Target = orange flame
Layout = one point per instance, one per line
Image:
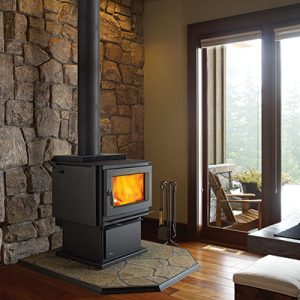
(128, 189)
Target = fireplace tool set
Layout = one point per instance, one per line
(167, 212)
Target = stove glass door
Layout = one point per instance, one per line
(128, 189)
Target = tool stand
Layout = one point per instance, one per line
(167, 214)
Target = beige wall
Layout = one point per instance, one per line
(166, 82)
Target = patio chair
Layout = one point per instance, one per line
(248, 219)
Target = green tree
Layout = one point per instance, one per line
(243, 105)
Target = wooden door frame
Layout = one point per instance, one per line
(264, 21)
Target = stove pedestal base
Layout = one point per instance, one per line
(102, 247)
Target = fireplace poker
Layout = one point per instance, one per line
(162, 228)
(172, 187)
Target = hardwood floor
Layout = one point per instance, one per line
(212, 281)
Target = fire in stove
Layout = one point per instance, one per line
(128, 189)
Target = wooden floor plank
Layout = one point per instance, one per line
(220, 259)
(245, 254)
(203, 295)
(228, 255)
(198, 283)
(219, 272)
(19, 283)
(213, 280)
(204, 289)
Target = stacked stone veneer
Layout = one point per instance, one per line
(38, 106)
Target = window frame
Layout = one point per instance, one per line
(266, 22)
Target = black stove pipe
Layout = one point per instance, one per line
(88, 78)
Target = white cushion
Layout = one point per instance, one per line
(272, 273)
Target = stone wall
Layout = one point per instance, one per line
(38, 106)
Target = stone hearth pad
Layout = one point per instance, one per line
(155, 270)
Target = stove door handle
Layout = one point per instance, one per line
(111, 196)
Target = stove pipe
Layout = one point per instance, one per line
(88, 78)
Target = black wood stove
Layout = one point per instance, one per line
(98, 199)
(100, 204)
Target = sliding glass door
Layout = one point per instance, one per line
(233, 96)
(235, 144)
(290, 125)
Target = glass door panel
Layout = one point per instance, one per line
(234, 134)
(290, 127)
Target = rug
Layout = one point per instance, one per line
(154, 270)
(291, 233)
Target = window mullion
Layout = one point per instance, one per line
(269, 128)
